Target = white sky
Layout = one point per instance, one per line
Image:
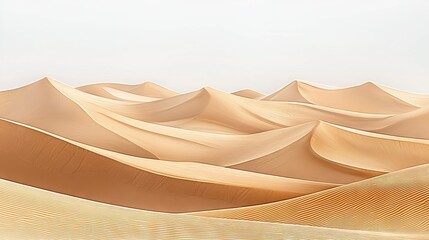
(231, 44)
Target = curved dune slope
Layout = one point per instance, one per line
(300, 160)
(367, 98)
(211, 110)
(222, 150)
(30, 213)
(207, 110)
(248, 93)
(342, 154)
(147, 89)
(303, 163)
(412, 124)
(45, 161)
(122, 95)
(290, 151)
(415, 99)
(366, 150)
(395, 202)
(44, 105)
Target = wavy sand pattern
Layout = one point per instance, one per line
(116, 161)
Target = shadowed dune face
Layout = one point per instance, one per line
(339, 163)
(50, 163)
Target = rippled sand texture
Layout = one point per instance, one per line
(115, 161)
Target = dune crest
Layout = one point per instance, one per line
(146, 89)
(305, 162)
(368, 97)
(248, 93)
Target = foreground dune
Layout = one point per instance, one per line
(29, 213)
(395, 202)
(302, 163)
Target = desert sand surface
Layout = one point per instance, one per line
(110, 160)
(249, 93)
(395, 202)
(31, 213)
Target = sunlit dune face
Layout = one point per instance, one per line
(142, 161)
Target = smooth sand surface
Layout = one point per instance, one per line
(249, 93)
(367, 97)
(111, 160)
(30, 213)
(147, 89)
(395, 202)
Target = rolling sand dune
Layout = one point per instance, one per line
(29, 213)
(368, 98)
(248, 93)
(395, 202)
(147, 89)
(344, 155)
(211, 110)
(412, 98)
(43, 105)
(122, 95)
(302, 163)
(399, 125)
(51, 163)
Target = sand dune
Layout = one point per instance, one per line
(399, 125)
(206, 109)
(343, 154)
(248, 93)
(419, 100)
(395, 202)
(302, 163)
(43, 105)
(211, 110)
(29, 213)
(60, 165)
(122, 95)
(367, 97)
(147, 89)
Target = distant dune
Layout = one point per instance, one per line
(248, 93)
(116, 161)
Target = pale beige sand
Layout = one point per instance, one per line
(43, 105)
(395, 202)
(60, 165)
(351, 160)
(249, 93)
(147, 89)
(201, 111)
(122, 95)
(29, 213)
(367, 97)
(411, 124)
(419, 100)
(206, 110)
(342, 154)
